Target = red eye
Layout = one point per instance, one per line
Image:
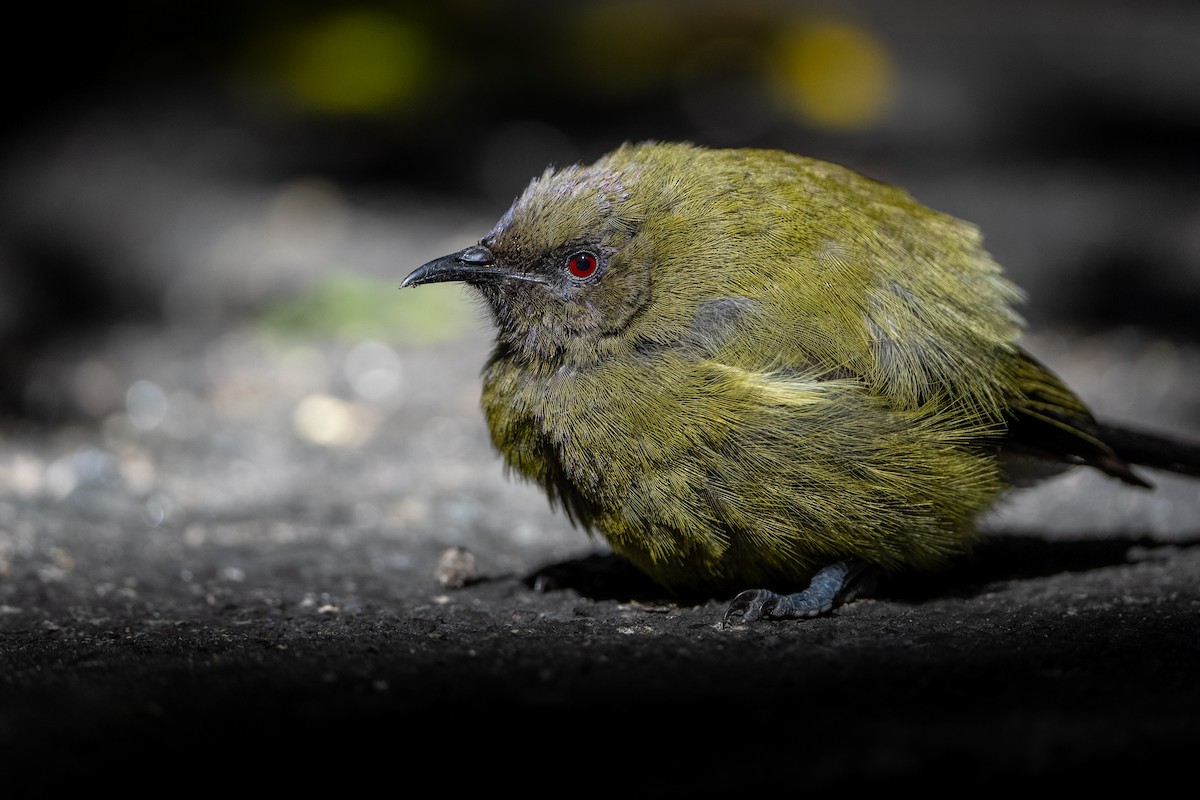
(582, 264)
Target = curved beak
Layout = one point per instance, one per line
(476, 264)
(470, 265)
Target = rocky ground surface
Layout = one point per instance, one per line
(280, 559)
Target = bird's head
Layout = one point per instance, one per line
(575, 270)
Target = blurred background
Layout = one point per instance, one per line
(207, 205)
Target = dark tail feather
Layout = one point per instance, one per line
(1151, 449)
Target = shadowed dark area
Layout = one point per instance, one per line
(396, 690)
(1135, 283)
(993, 561)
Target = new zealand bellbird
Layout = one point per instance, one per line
(754, 371)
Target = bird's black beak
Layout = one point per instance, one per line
(475, 265)
(472, 265)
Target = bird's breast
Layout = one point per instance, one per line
(603, 428)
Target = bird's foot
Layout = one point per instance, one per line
(828, 586)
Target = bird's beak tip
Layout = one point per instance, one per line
(464, 265)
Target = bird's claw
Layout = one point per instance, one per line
(756, 604)
(752, 605)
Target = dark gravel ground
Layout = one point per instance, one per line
(219, 601)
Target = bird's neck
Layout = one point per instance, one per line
(539, 353)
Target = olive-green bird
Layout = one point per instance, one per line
(752, 371)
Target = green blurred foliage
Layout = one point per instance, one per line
(350, 307)
(356, 61)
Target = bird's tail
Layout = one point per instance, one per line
(1151, 449)
(1049, 422)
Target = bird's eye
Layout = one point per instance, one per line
(582, 264)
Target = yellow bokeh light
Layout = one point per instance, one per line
(833, 74)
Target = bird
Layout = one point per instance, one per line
(764, 376)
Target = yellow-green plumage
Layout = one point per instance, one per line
(778, 364)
